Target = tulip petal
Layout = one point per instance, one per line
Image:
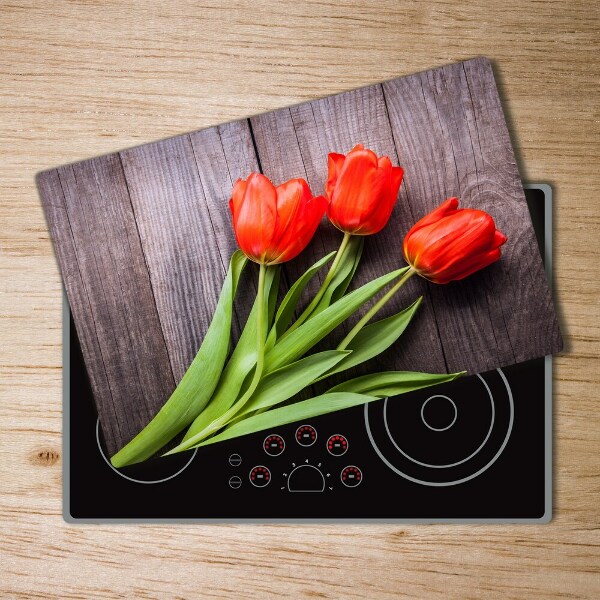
(452, 243)
(386, 185)
(237, 196)
(467, 232)
(362, 190)
(384, 162)
(499, 239)
(358, 182)
(335, 162)
(445, 209)
(254, 223)
(298, 235)
(480, 262)
(397, 175)
(290, 198)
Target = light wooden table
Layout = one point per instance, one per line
(83, 78)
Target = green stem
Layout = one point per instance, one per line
(261, 335)
(261, 329)
(375, 309)
(330, 275)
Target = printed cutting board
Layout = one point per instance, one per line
(143, 236)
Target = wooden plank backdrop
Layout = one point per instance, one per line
(89, 78)
(149, 232)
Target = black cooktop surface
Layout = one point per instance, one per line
(477, 449)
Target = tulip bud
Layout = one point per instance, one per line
(450, 243)
(362, 190)
(274, 224)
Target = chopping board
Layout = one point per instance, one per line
(143, 236)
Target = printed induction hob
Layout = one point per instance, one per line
(477, 449)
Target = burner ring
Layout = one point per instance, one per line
(456, 481)
(107, 461)
(448, 465)
(439, 428)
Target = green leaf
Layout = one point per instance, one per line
(240, 365)
(392, 383)
(296, 343)
(344, 274)
(289, 303)
(292, 379)
(273, 389)
(356, 245)
(300, 411)
(375, 338)
(198, 383)
(351, 393)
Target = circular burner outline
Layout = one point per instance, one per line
(189, 462)
(439, 428)
(449, 465)
(457, 481)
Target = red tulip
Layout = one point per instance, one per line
(451, 243)
(274, 224)
(362, 190)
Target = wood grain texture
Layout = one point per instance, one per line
(167, 196)
(176, 192)
(469, 155)
(224, 154)
(78, 80)
(115, 303)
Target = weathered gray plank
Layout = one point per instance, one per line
(533, 328)
(467, 153)
(110, 295)
(223, 155)
(183, 255)
(425, 102)
(56, 215)
(281, 158)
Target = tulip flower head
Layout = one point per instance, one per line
(362, 190)
(274, 224)
(451, 243)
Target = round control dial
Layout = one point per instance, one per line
(306, 435)
(235, 460)
(274, 445)
(337, 445)
(235, 482)
(260, 476)
(351, 476)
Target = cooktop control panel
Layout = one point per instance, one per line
(308, 462)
